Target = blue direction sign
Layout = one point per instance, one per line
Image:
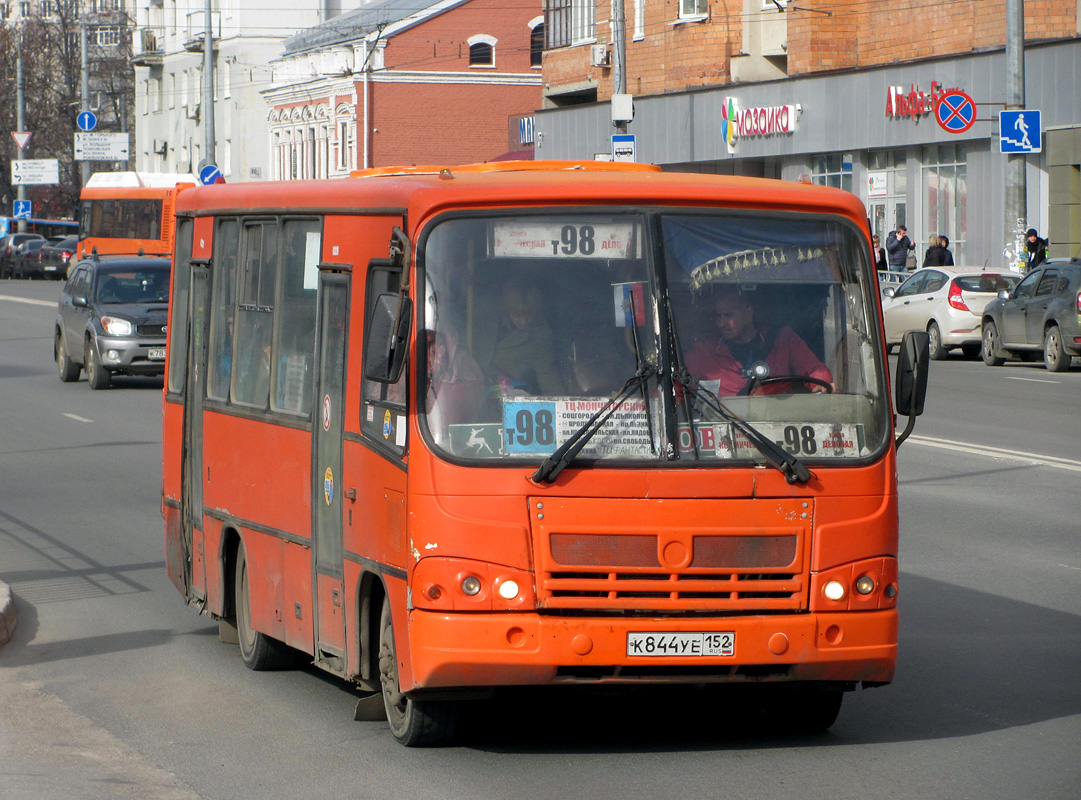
(955, 112)
(1020, 131)
(23, 209)
(87, 121)
(209, 174)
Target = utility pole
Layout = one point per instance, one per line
(622, 104)
(84, 86)
(208, 85)
(20, 112)
(1016, 185)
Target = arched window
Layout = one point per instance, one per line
(482, 50)
(536, 45)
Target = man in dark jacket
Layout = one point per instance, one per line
(1036, 250)
(898, 246)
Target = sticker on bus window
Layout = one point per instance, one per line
(804, 440)
(630, 304)
(562, 239)
(328, 485)
(539, 426)
(483, 439)
(388, 426)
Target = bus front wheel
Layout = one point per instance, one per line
(259, 651)
(414, 723)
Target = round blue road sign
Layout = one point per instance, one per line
(209, 174)
(87, 121)
(955, 112)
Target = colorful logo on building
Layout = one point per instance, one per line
(757, 121)
(728, 123)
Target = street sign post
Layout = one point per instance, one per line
(955, 112)
(35, 172)
(102, 146)
(87, 121)
(1020, 131)
(23, 209)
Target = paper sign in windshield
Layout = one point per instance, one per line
(541, 425)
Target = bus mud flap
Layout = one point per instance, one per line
(370, 708)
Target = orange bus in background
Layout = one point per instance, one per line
(128, 212)
(445, 430)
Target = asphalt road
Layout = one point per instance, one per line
(112, 688)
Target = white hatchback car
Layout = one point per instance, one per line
(947, 303)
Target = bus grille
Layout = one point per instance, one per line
(681, 556)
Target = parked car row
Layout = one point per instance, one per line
(30, 255)
(990, 314)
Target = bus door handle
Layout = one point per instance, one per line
(351, 495)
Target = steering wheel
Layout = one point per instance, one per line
(801, 379)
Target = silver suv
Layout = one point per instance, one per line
(112, 319)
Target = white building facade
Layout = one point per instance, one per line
(168, 46)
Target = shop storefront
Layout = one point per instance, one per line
(874, 133)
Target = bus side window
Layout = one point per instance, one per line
(383, 404)
(226, 242)
(255, 315)
(297, 309)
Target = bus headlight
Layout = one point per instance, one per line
(459, 584)
(471, 586)
(834, 590)
(865, 585)
(508, 589)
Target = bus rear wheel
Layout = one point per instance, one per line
(414, 723)
(259, 651)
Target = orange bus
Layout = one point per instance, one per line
(446, 430)
(128, 212)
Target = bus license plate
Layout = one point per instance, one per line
(156, 354)
(681, 644)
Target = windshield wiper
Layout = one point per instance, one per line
(566, 453)
(777, 457)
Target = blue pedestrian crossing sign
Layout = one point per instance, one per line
(1020, 131)
(87, 121)
(23, 209)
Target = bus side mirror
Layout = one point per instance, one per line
(911, 381)
(388, 338)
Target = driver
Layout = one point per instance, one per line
(730, 359)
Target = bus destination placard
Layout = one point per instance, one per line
(562, 239)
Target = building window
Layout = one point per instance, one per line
(481, 50)
(107, 35)
(833, 169)
(639, 20)
(693, 9)
(945, 192)
(570, 22)
(536, 45)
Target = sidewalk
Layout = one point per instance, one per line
(7, 614)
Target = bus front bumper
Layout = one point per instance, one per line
(468, 650)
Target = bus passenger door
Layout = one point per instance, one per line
(191, 476)
(327, 488)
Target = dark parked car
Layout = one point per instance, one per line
(1041, 313)
(26, 263)
(55, 258)
(7, 251)
(112, 319)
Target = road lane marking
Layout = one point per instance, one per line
(1030, 380)
(998, 452)
(77, 418)
(14, 299)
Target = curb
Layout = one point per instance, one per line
(7, 614)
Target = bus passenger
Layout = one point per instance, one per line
(455, 383)
(523, 360)
(742, 343)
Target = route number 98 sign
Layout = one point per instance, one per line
(562, 239)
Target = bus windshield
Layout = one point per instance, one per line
(684, 337)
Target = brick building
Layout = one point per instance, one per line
(400, 82)
(843, 92)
